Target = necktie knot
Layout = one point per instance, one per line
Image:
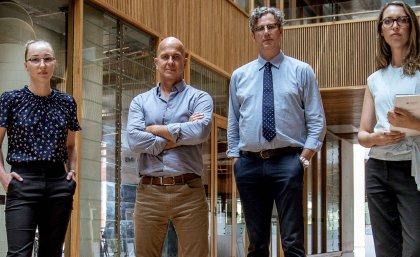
(268, 65)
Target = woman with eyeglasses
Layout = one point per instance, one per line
(40, 123)
(393, 169)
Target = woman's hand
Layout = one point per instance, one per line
(403, 119)
(385, 137)
(7, 177)
(71, 175)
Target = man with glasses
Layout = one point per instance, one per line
(276, 124)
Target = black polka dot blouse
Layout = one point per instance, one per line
(37, 126)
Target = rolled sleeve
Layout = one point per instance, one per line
(175, 131)
(194, 132)
(313, 144)
(314, 112)
(233, 121)
(138, 139)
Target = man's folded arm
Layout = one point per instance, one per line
(197, 131)
(139, 140)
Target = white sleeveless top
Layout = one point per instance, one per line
(384, 84)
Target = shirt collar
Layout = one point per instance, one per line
(276, 61)
(29, 92)
(179, 87)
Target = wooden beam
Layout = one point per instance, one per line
(76, 13)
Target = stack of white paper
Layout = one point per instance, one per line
(410, 103)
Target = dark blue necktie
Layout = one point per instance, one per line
(269, 123)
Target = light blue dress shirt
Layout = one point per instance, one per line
(299, 115)
(151, 108)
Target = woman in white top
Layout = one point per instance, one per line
(393, 169)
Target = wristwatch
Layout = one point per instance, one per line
(305, 162)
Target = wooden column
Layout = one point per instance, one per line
(75, 49)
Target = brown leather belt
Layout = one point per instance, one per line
(168, 181)
(266, 154)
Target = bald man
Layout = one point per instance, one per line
(166, 127)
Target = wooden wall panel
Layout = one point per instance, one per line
(341, 54)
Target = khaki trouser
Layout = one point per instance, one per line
(185, 205)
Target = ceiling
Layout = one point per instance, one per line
(41, 6)
(46, 13)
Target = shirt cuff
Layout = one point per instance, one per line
(233, 153)
(175, 130)
(313, 144)
(159, 145)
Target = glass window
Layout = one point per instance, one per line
(333, 197)
(21, 21)
(244, 4)
(300, 12)
(217, 86)
(259, 3)
(323, 187)
(117, 66)
(214, 84)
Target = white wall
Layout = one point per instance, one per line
(353, 199)
(13, 76)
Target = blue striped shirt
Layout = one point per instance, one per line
(299, 115)
(151, 108)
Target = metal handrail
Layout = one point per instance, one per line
(344, 14)
(332, 16)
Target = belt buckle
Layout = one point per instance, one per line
(264, 154)
(167, 184)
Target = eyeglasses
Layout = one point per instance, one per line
(402, 21)
(269, 27)
(37, 60)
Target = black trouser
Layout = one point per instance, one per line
(260, 183)
(43, 199)
(394, 207)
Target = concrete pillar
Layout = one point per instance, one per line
(353, 200)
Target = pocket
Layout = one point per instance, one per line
(236, 166)
(71, 186)
(195, 183)
(237, 162)
(140, 186)
(299, 161)
(61, 187)
(11, 188)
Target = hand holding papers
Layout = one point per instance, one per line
(410, 103)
